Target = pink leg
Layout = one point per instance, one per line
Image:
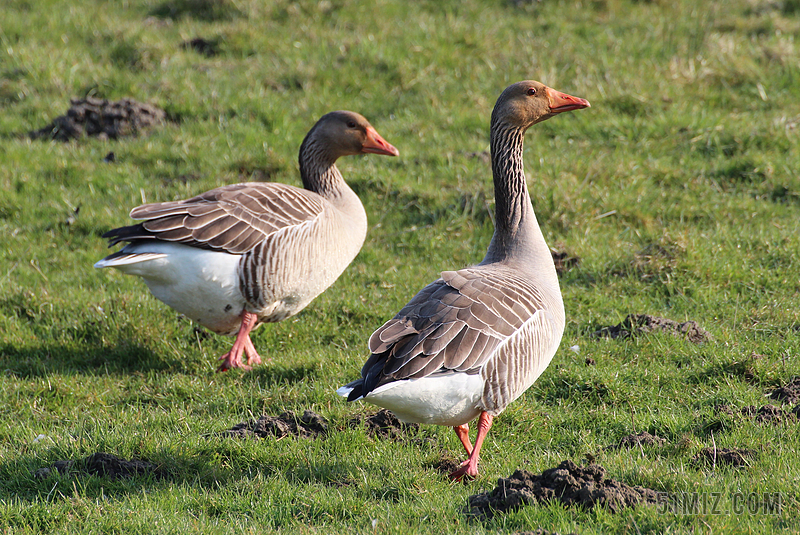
(242, 344)
(462, 432)
(469, 467)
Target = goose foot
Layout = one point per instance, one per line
(469, 468)
(242, 345)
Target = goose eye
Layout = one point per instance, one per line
(351, 124)
(531, 91)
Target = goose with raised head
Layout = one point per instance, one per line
(245, 254)
(471, 342)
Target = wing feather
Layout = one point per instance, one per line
(440, 338)
(463, 350)
(202, 221)
(163, 224)
(468, 321)
(483, 344)
(232, 218)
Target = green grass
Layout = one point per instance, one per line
(678, 189)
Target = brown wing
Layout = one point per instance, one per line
(232, 218)
(454, 324)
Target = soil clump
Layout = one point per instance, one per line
(206, 47)
(309, 425)
(101, 118)
(735, 457)
(384, 424)
(99, 464)
(636, 324)
(788, 393)
(764, 414)
(564, 261)
(568, 483)
(631, 441)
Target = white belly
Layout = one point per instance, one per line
(201, 284)
(450, 399)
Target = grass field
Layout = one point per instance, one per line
(678, 190)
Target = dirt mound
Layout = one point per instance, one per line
(724, 408)
(99, 464)
(731, 456)
(568, 483)
(764, 414)
(769, 414)
(446, 465)
(564, 261)
(309, 425)
(788, 393)
(644, 439)
(101, 118)
(636, 324)
(384, 424)
(206, 47)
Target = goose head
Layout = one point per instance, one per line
(529, 102)
(346, 133)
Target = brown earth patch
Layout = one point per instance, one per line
(309, 425)
(564, 261)
(568, 483)
(384, 424)
(642, 439)
(764, 414)
(724, 408)
(446, 465)
(788, 393)
(729, 456)
(636, 324)
(99, 464)
(206, 47)
(768, 414)
(101, 118)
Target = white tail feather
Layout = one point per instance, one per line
(118, 259)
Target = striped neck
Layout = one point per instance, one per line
(318, 168)
(517, 234)
(510, 190)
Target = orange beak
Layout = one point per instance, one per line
(375, 144)
(560, 102)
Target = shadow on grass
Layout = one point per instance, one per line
(23, 478)
(37, 478)
(129, 357)
(54, 358)
(744, 369)
(204, 10)
(276, 373)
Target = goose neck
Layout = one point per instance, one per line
(318, 169)
(510, 189)
(517, 235)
